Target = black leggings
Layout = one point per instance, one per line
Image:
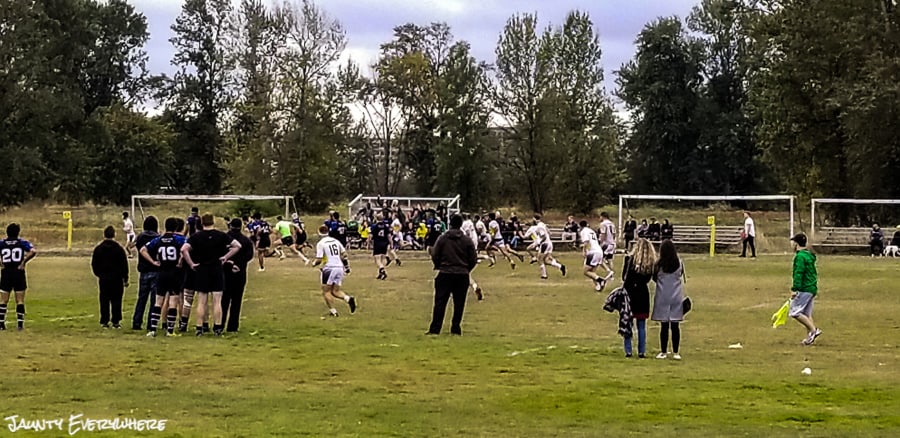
(664, 336)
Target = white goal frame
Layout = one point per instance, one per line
(789, 198)
(288, 200)
(814, 201)
(452, 204)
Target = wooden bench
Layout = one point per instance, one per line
(843, 237)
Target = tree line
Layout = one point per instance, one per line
(739, 97)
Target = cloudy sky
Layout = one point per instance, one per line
(369, 23)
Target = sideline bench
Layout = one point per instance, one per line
(844, 237)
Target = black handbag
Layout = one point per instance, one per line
(686, 305)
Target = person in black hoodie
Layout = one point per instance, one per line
(147, 271)
(235, 277)
(110, 265)
(454, 258)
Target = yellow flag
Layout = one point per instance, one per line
(780, 317)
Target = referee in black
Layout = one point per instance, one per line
(236, 277)
(453, 257)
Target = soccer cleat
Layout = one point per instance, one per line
(20, 328)
(513, 266)
(352, 304)
(662, 356)
(172, 335)
(262, 269)
(182, 327)
(151, 334)
(543, 277)
(398, 262)
(562, 268)
(521, 257)
(199, 333)
(479, 293)
(533, 261)
(389, 260)
(2, 326)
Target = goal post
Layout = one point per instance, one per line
(788, 198)
(406, 202)
(818, 201)
(288, 200)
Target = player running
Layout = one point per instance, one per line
(607, 238)
(544, 246)
(468, 228)
(336, 266)
(498, 243)
(593, 255)
(381, 241)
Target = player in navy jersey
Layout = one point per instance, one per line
(263, 232)
(381, 241)
(337, 228)
(300, 237)
(192, 221)
(14, 254)
(164, 252)
(435, 229)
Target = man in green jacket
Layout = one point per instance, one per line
(804, 289)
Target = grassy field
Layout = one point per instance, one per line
(537, 358)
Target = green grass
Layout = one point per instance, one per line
(536, 359)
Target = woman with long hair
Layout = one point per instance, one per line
(667, 302)
(640, 264)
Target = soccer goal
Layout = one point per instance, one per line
(847, 221)
(698, 229)
(407, 203)
(137, 205)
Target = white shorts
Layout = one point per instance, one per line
(609, 249)
(498, 243)
(593, 259)
(545, 248)
(130, 237)
(332, 276)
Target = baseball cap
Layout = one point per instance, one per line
(800, 238)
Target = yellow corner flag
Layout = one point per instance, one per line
(780, 317)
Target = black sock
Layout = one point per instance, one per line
(205, 327)
(2, 313)
(676, 337)
(171, 317)
(184, 321)
(217, 329)
(664, 337)
(20, 314)
(154, 317)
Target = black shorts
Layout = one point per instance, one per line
(12, 280)
(287, 240)
(189, 281)
(301, 238)
(380, 248)
(169, 282)
(209, 278)
(264, 242)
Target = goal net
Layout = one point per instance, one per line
(845, 215)
(773, 215)
(221, 205)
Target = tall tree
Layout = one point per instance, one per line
(200, 97)
(523, 76)
(661, 89)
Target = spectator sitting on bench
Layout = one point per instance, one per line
(654, 231)
(643, 229)
(876, 240)
(667, 231)
(570, 231)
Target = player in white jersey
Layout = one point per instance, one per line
(541, 236)
(483, 241)
(593, 255)
(396, 240)
(607, 238)
(499, 243)
(468, 228)
(335, 256)
(130, 237)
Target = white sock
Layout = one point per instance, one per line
(347, 298)
(474, 285)
(333, 311)
(555, 264)
(543, 270)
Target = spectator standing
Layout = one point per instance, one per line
(454, 258)
(147, 273)
(668, 301)
(749, 235)
(110, 265)
(629, 230)
(640, 264)
(235, 277)
(876, 240)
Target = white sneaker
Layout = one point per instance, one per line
(676, 356)
(262, 269)
(662, 356)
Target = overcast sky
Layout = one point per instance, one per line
(370, 22)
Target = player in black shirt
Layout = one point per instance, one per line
(205, 252)
(263, 234)
(164, 252)
(337, 228)
(381, 241)
(14, 254)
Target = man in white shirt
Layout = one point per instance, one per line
(593, 255)
(544, 246)
(130, 237)
(607, 239)
(335, 256)
(749, 235)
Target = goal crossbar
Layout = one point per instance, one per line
(814, 201)
(452, 204)
(288, 200)
(789, 198)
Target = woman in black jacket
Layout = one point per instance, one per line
(638, 271)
